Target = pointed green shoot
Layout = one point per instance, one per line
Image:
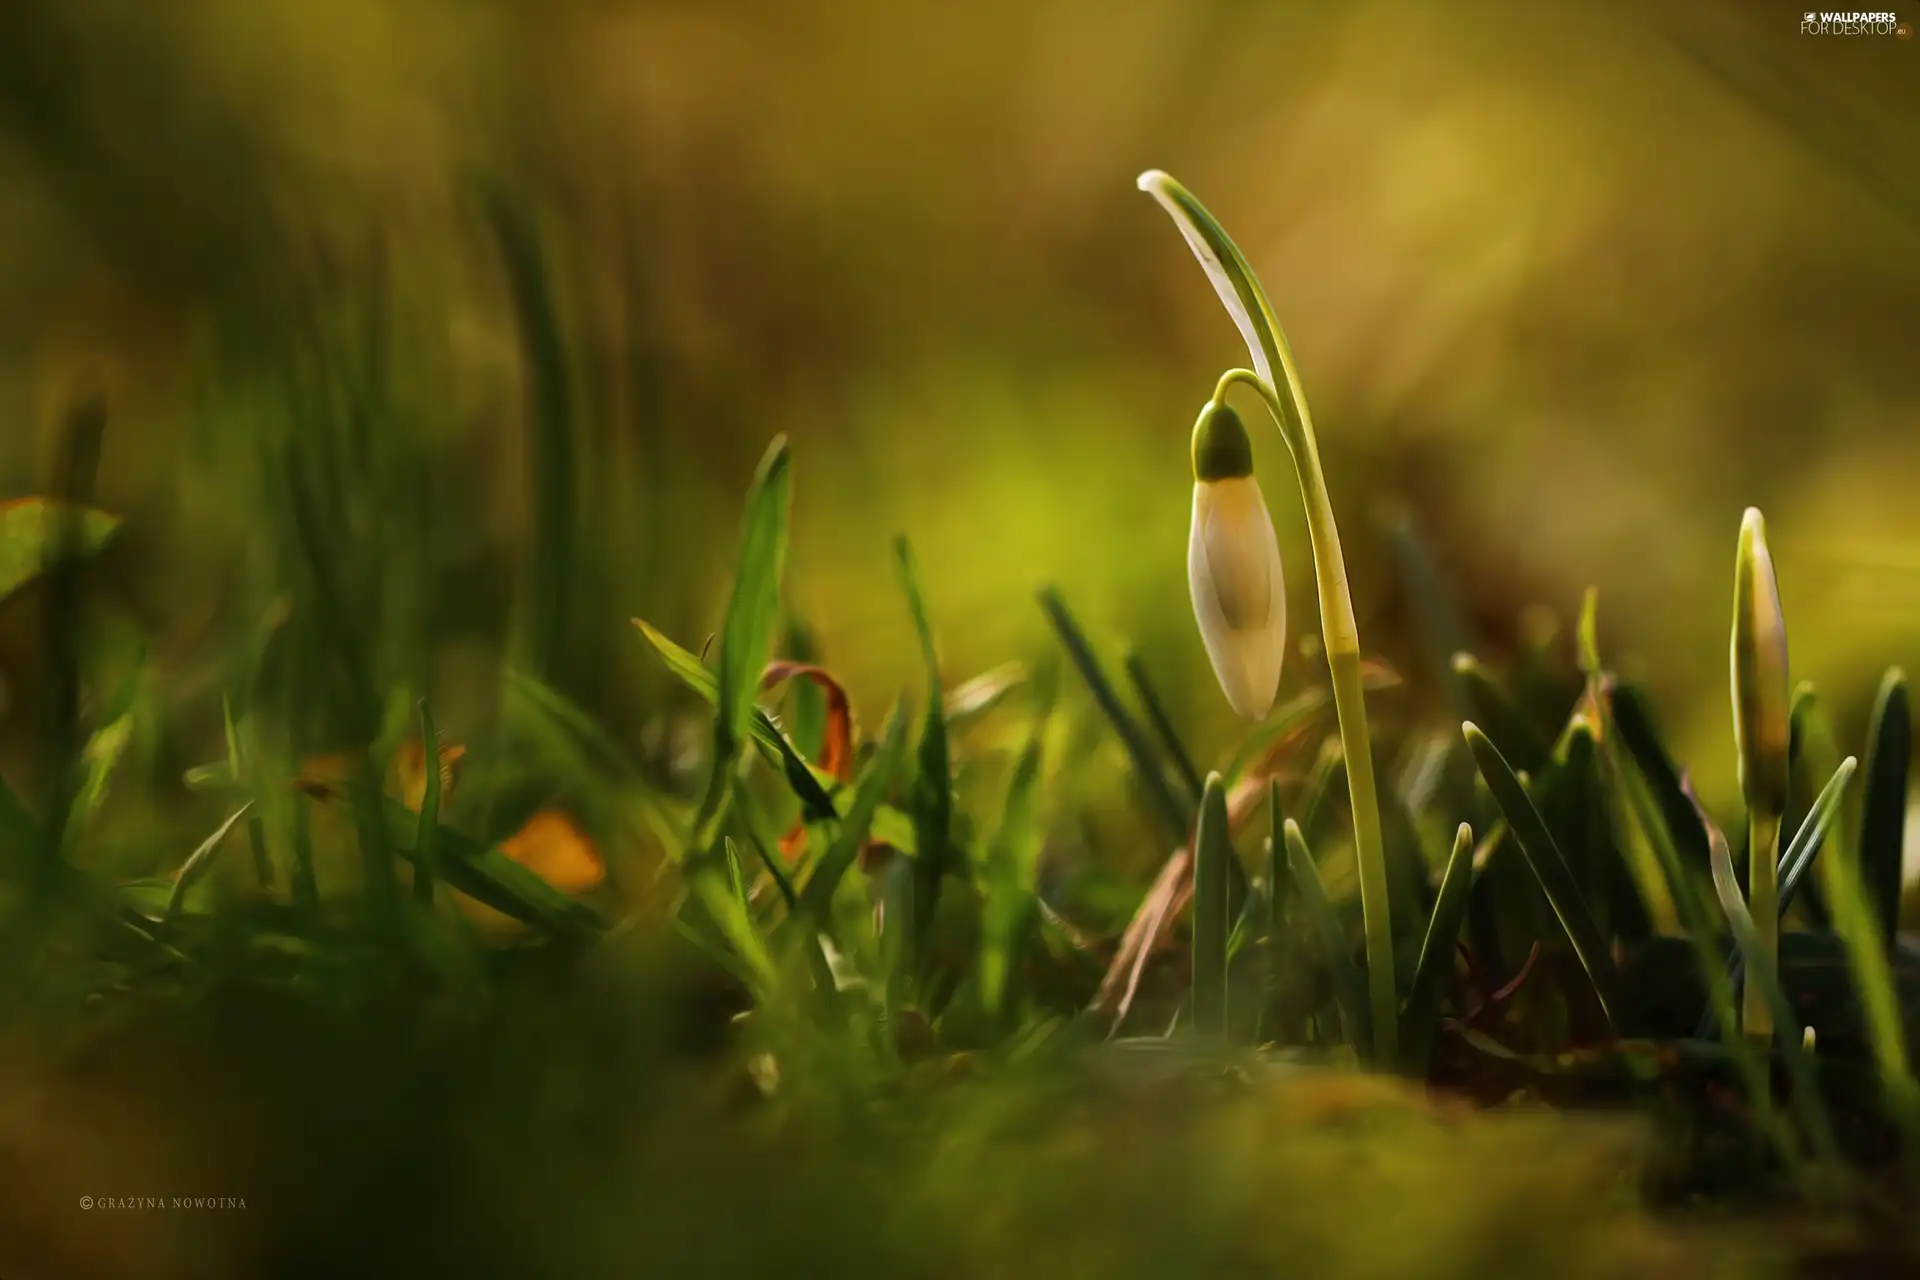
(1883, 816)
(1764, 976)
(1012, 872)
(1162, 721)
(1349, 988)
(1549, 866)
(201, 860)
(754, 608)
(1794, 864)
(816, 897)
(1421, 1018)
(932, 802)
(1763, 732)
(1175, 817)
(426, 845)
(1212, 851)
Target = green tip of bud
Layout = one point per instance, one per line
(1221, 449)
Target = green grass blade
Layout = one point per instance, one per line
(1883, 815)
(1442, 624)
(484, 873)
(426, 844)
(932, 794)
(774, 745)
(1765, 977)
(1176, 818)
(1421, 1018)
(816, 897)
(1814, 758)
(764, 849)
(1633, 717)
(201, 860)
(1162, 722)
(1529, 830)
(716, 882)
(1794, 864)
(753, 610)
(554, 553)
(1012, 873)
(1212, 851)
(1812, 834)
(1505, 724)
(1349, 986)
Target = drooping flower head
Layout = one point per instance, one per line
(1233, 565)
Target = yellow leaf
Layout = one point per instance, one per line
(553, 847)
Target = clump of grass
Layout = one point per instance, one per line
(856, 1007)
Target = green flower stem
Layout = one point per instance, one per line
(1763, 900)
(1342, 637)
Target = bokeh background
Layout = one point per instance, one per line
(1576, 282)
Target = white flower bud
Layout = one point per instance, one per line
(1233, 566)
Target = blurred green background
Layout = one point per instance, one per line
(1572, 282)
(1575, 281)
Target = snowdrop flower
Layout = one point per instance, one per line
(1233, 565)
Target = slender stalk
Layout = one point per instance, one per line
(1763, 900)
(1341, 633)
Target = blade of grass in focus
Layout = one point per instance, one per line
(1349, 986)
(1212, 851)
(1420, 1019)
(1549, 867)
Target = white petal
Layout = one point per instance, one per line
(1239, 596)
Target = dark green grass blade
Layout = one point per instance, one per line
(1442, 624)
(773, 744)
(1811, 836)
(1633, 717)
(754, 607)
(1420, 1020)
(426, 844)
(551, 431)
(1212, 851)
(1505, 724)
(483, 872)
(256, 829)
(1323, 785)
(1175, 817)
(1349, 986)
(1012, 873)
(574, 719)
(1813, 758)
(64, 615)
(932, 794)
(1162, 722)
(752, 830)
(1549, 866)
(1795, 861)
(816, 896)
(1277, 899)
(1883, 815)
(1807, 1106)
(201, 860)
